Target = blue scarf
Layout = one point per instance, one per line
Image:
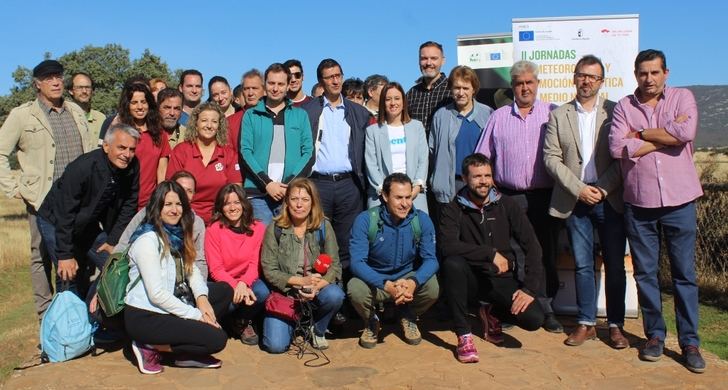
(174, 234)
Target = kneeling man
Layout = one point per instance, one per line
(393, 259)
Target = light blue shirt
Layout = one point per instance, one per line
(332, 142)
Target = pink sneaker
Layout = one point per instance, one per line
(197, 361)
(491, 325)
(147, 358)
(466, 349)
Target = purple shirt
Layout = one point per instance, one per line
(665, 177)
(515, 145)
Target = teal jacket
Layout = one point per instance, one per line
(256, 140)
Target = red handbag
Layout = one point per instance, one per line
(282, 306)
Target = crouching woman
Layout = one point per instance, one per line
(171, 308)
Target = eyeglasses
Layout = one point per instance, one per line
(82, 88)
(337, 76)
(296, 75)
(589, 77)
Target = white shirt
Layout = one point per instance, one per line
(587, 131)
(398, 148)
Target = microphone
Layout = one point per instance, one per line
(322, 263)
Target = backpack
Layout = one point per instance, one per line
(375, 224)
(65, 331)
(112, 283)
(277, 230)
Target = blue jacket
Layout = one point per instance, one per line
(393, 253)
(256, 140)
(358, 119)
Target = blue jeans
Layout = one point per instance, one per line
(265, 208)
(277, 334)
(241, 310)
(84, 253)
(610, 227)
(679, 225)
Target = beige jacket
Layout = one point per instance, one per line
(28, 130)
(563, 159)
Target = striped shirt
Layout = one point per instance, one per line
(66, 136)
(422, 102)
(515, 145)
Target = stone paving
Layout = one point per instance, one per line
(536, 360)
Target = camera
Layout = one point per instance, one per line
(306, 290)
(184, 293)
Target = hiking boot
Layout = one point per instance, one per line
(184, 360)
(370, 335)
(248, 335)
(693, 360)
(551, 324)
(318, 342)
(580, 334)
(466, 349)
(147, 358)
(652, 350)
(492, 331)
(412, 334)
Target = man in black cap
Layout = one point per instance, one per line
(48, 133)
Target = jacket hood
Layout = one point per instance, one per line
(463, 199)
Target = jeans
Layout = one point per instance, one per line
(277, 333)
(679, 225)
(610, 227)
(265, 208)
(241, 310)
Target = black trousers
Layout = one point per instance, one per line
(184, 336)
(465, 284)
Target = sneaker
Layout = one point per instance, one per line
(466, 349)
(147, 358)
(412, 334)
(197, 361)
(318, 342)
(492, 331)
(652, 350)
(693, 360)
(370, 336)
(551, 324)
(248, 335)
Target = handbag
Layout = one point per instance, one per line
(182, 289)
(112, 283)
(282, 306)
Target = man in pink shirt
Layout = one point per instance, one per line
(652, 135)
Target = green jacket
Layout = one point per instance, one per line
(279, 260)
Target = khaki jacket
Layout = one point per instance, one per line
(563, 159)
(27, 129)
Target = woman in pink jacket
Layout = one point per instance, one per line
(232, 248)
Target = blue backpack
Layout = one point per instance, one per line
(66, 331)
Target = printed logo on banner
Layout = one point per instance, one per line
(526, 35)
(474, 58)
(495, 56)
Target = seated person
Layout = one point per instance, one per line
(290, 248)
(393, 261)
(232, 248)
(172, 309)
(478, 262)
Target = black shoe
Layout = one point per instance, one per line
(693, 361)
(652, 350)
(551, 324)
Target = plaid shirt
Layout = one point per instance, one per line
(65, 133)
(422, 102)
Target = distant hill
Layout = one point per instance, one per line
(713, 113)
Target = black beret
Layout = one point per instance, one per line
(47, 67)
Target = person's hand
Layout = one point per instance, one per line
(307, 296)
(500, 262)
(682, 118)
(240, 292)
(18, 196)
(105, 247)
(320, 285)
(311, 280)
(67, 269)
(94, 304)
(416, 191)
(590, 195)
(393, 290)
(276, 190)
(208, 314)
(407, 288)
(250, 298)
(521, 300)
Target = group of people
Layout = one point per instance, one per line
(233, 208)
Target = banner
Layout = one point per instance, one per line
(556, 44)
(491, 56)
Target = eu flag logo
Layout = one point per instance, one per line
(525, 35)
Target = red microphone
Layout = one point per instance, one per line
(322, 263)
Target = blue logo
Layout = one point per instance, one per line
(495, 56)
(525, 35)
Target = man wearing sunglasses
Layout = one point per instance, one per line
(295, 86)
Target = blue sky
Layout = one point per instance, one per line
(228, 38)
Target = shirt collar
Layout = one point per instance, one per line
(580, 109)
(327, 103)
(47, 109)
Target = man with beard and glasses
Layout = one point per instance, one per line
(81, 89)
(170, 109)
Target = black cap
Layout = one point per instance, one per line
(47, 67)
